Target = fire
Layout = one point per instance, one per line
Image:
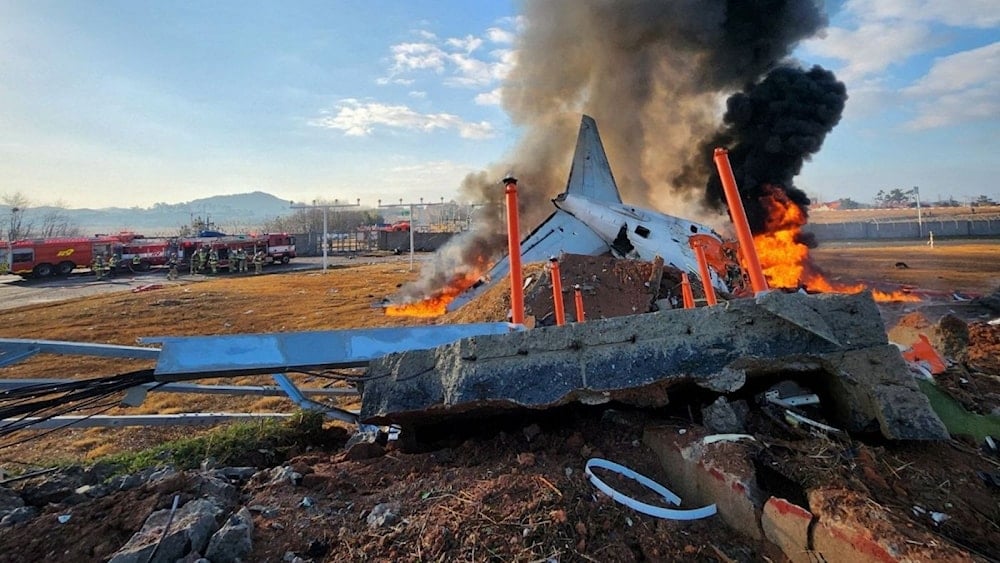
(785, 258)
(436, 304)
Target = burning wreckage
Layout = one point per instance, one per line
(814, 363)
(425, 377)
(834, 342)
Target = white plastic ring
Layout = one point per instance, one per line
(638, 506)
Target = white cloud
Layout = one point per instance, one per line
(359, 119)
(959, 13)
(958, 88)
(497, 35)
(872, 47)
(491, 98)
(417, 56)
(458, 58)
(420, 94)
(467, 43)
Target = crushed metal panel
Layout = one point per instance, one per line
(13, 350)
(283, 351)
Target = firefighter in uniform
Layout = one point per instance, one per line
(98, 266)
(172, 264)
(112, 264)
(258, 262)
(199, 260)
(136, 263)
(241, 260)
(213, 260)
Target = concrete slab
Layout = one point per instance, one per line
(637, 359)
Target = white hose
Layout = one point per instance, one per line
(651, 510)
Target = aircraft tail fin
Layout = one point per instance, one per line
(591, 175)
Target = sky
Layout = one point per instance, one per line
(130, 103)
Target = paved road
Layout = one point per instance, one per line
(18, 292)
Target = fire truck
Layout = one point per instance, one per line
(149, 251)
(277, 248)
(39, 258)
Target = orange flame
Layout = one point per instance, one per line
(785, 259)
(436, 304)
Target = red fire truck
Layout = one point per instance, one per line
(277, 247)
(149, 251)
(40, 258)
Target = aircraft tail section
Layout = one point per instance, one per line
(591, 175)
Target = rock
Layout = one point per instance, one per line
(991, 301)
(723, 417)
(367, 444)
(161, 474)
(240, 474)
(9, 500)
(385, 514)
(93, 491)
(221, 491)
(98, 473)
(54, 489)
(284, 474)
(190, 529)
(233, 542)
(951, 337)
(18, 515)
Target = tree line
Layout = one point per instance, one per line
(53, 223)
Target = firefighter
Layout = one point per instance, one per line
(241, 260)
(136, 263)
(199, 260)
(112, 264)
(213, 260)
(258, 262)
(98, 266)
(172, 264)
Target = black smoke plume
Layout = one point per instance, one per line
(771, 129)
(651, 72)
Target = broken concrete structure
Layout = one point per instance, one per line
(838, 342)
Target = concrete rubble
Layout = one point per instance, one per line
(836, 342)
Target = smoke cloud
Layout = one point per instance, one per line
(771, 129)
(653, 73)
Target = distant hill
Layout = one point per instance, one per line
(229, 213)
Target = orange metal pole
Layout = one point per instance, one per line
(578, 297)
(686, 291)
(514, 252)
(557, 297)
(706, 277)
(739, 215)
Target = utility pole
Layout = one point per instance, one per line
(326, 207)
(10, 239)
(410, 206)
(920, 219)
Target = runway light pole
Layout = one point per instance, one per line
(326, 207)
(411, 207)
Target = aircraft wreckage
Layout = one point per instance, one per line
(421, 377)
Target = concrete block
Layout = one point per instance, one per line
(717, 473)
(787, 526)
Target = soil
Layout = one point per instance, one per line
(504, 490)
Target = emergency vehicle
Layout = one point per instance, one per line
(277, 247)
(40, 258)
(59, 256)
